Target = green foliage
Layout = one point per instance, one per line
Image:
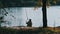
(19, 3)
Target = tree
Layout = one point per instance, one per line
(44, 13)
(4, 11)
(44, 10)
(2, 16)
(1, 20)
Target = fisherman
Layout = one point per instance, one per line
(29, 23)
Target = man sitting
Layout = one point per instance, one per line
(29, 23)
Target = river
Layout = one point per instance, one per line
(17, 16)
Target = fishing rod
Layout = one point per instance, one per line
(26, 13)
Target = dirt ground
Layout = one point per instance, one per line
(29, 30)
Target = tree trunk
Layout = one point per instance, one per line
(44, 14)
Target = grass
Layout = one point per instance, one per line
(28, 30)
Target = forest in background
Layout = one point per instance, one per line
(22, 3)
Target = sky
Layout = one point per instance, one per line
(20, 18)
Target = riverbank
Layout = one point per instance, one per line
(28, 30)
